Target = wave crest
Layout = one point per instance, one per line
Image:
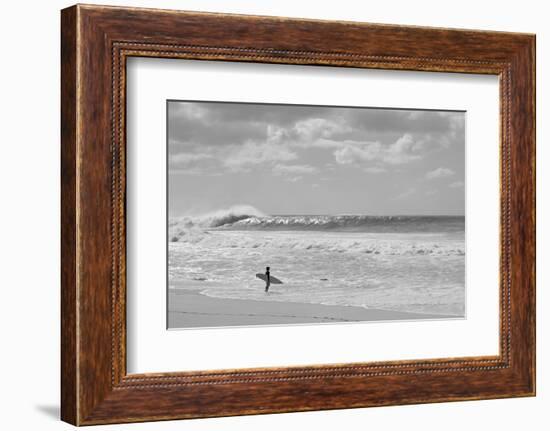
(192, 227)
(352, 223)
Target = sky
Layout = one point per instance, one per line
(298, 159)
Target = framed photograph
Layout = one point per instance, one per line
(264, 214)
(326, 197)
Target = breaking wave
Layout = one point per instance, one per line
(246, 217)
(191, 226)
(353, 223)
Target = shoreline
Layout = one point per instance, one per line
(192, 309)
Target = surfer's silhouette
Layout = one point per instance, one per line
(267, 279)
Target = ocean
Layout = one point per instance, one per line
(402, 263)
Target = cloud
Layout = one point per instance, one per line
(221, 124)
(439, 173)
(280, 169)
(315, 130)
(292, 139)
(198, 125)
(354, 152)
(237, 157)
(457, 184)
(403, 150)
(253, 153)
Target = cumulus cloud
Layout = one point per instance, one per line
(403, 150)
(354, 152)
(294, 142)
(221, 124)
(314, 130)
(439, 173)
(229, 145)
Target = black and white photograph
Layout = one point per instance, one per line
(294, 214)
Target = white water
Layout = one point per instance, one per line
(415, 272)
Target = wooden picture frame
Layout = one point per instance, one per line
(95, 43)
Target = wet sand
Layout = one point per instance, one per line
(194, 310)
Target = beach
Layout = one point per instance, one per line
(191, 309)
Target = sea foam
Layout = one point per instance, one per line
(192, 227)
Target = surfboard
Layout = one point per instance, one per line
(273, 280)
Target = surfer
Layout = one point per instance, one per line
(267, 279)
